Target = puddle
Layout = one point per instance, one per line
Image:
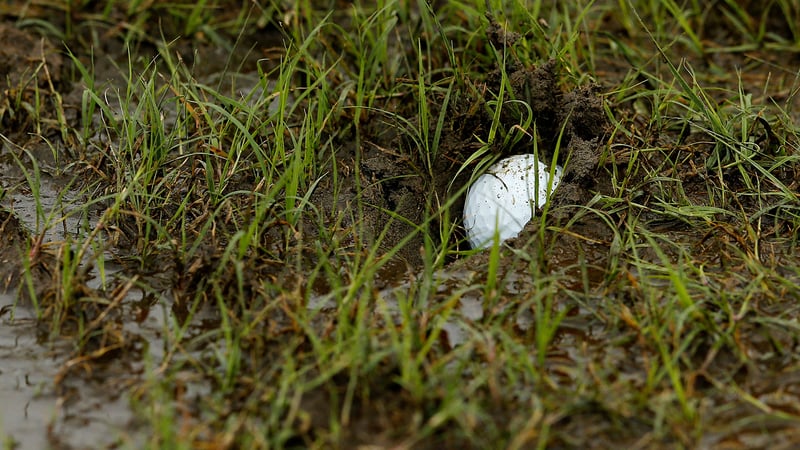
(26, 381)
(38, 413)
(90, 410)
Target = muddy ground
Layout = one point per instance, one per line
(379, 170)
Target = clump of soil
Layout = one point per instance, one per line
(569, 125)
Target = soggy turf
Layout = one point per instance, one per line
(238, 226)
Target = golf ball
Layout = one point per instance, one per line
(501, 201)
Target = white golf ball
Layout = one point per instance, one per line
(501, 201)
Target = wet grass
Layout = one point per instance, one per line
(657, 311)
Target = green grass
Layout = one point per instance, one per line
(260, 219)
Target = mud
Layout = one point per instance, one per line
(26, 379)
(386, 190)
(79, 394)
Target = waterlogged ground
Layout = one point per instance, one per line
(242, 230)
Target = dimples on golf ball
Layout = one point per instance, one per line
(502, 200)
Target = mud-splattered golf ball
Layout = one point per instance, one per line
(502, 200)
